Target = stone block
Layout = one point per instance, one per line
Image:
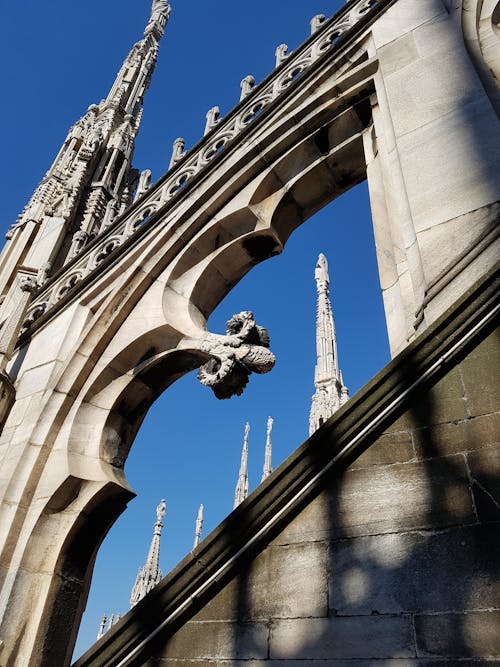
(484, 466)
(403, 17)
(282, 582)
(401, 497)
(464, 235)
(472, 635)
(35, 380)
(440, 404)
(454, 437)
(437, 190)
(480, 374)
(398, 662)
(342, 637)
(173, 662)
(394, 447)
(427, 89)
(209, 640)
(415, 572)
(314, 523)
(397, 55)
(385, 499)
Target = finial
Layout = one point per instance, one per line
(102, 626)
(316, 22)
(177, 151)
(281, 54)
(144, 183)
(212, 119)
(199, 527)
(111, 622)
(267, 469)
(246, 86)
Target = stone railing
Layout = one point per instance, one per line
(289, 68)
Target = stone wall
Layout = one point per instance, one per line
(395, 561)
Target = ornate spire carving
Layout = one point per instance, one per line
(241, 491)
(89, 180)
(330, 392)
(160, 12)
(268, 468)
(149, 575)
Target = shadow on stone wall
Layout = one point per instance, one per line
(403, 545)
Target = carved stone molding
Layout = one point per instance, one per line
(185, 165)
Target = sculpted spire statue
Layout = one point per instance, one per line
(268, 468)
(150, 574)
(199, 527)
(160, 12)
(241, 491)
(330, 392)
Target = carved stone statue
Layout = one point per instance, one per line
(242, 351)
(160, 12)
(160, 7)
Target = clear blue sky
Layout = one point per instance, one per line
(57, 58)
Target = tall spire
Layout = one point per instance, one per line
(330, 392)
(91, 180)
(241, 491)
(267, 469)
(199, 527)
(149, 575)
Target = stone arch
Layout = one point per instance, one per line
(481, 27)
(71, 557)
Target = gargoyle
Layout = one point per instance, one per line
(242, 351)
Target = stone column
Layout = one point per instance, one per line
(433, 162)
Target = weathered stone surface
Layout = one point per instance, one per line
(484, 466)
(209, 640)
(403, 17)
(474, 634)
(445, 402)
(401, 496)
(342, 637)
(393, 447)
(454, 437)
(385, 499)
(398, 662)
(397, 55)
(282, 582)
(480, 373)
(414, 572)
